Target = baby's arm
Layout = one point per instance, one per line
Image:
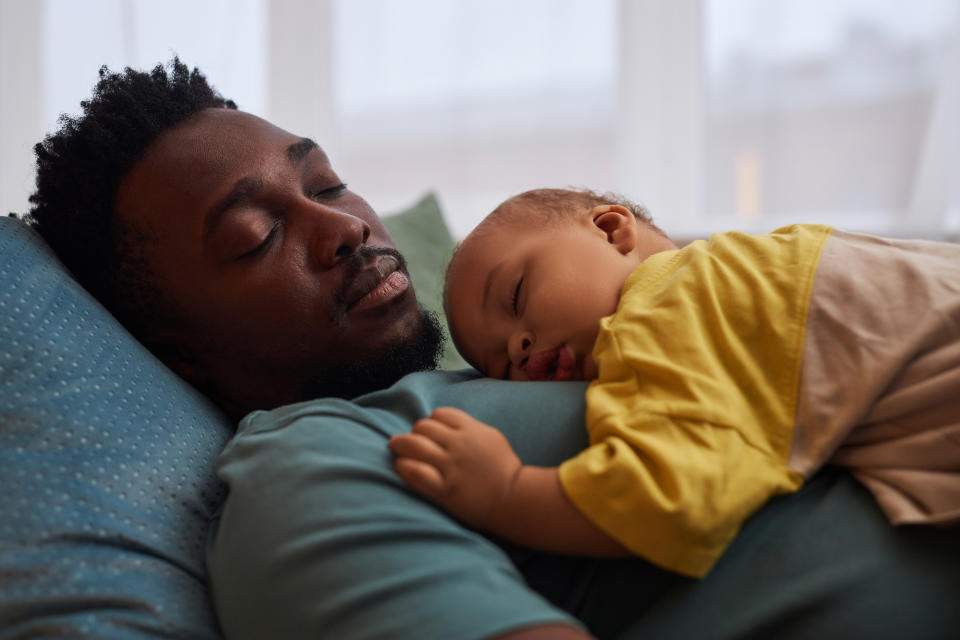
(469, 469)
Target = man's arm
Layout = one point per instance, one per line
(319, 534)
(470, 469)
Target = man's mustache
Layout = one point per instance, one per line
(365, 255)
(354, 265)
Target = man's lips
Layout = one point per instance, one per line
(553, 364)
(380, 282)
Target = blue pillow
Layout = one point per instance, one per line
(107, 457)
(106, 466)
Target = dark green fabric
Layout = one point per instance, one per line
(823, 563)
(423, 238)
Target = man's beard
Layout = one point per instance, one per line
(420, 353)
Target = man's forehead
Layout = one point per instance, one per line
(223, 133)
(216, 144)
(202, 157)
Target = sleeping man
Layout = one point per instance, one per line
(235, 252)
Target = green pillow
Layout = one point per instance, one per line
(423, 238)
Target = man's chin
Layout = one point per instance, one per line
(420, 351)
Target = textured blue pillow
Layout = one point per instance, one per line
(106, 466)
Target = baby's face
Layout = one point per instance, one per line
(525, 303)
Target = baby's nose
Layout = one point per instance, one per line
(519, 347)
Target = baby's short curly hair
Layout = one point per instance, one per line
(79, 170)
(539, 207)
(554, 204)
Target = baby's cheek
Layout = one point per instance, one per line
(516, 374)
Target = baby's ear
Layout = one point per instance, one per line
(619, 225)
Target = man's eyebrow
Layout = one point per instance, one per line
(299, 150)
(489, 283)
(245, 188)
(243, 191)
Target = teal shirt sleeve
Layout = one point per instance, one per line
(320, 538)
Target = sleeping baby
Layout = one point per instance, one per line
(722, 374)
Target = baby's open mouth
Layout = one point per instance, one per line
(552, 364)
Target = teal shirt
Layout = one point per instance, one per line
(319, 538)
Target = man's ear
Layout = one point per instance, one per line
(619, 225)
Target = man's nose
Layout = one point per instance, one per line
(519, 347)
(336, 235)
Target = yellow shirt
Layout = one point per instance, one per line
(691, 417)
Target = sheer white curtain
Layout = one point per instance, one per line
(51, 50)
(832, 110)
(481, 100)
(21, 99)
(715, 113)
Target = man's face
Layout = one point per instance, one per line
(282, 282)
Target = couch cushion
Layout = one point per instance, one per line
(422, 236)
(106, 465)
(106, 457)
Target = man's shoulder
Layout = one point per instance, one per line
(326, 437)
(524, 412)
(410, 398)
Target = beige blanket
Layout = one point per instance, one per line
(880, 378)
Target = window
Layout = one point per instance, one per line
(476, 99)
(826, 110)
(51, 50)
(716, 114)
(224, 38)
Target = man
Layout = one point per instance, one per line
(233, 250)
(221, 240)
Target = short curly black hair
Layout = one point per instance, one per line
(79, 170)
(551, 205)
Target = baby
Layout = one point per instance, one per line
(723, 374)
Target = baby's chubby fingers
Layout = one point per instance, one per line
(437, 430)
(417, 446)
(453, 417)
(422, 477)
(418, 462)
(462, 430)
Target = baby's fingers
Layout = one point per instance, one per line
(439, 432)
(423, 478)
(417, 447)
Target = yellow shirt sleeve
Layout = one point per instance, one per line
(691, 417)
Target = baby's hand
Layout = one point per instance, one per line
(462, 464)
